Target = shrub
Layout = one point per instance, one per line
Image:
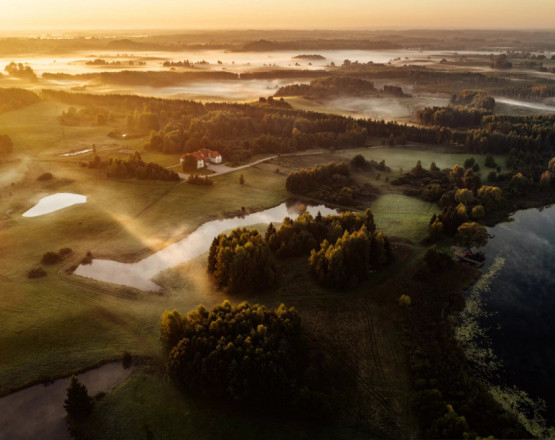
(45, 176)
(65, 251)
(37, 272)
(51, 258)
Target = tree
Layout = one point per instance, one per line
(478, 212)
(78, 404)
(436, 229)
(471, 234)
(189, 163)
(241, 179)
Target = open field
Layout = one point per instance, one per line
(51, 325)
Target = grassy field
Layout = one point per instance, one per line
(61, 323)
(149, 406)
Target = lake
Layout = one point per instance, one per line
(508, 327)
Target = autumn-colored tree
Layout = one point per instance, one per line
(472, 234)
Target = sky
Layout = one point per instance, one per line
(275, 14)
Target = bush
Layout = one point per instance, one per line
(37, 272)
(45, 176)
(51, 258)
(65, 251)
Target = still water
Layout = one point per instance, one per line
(55, 202)
(38, 412)
(508, 326)
(140, 274)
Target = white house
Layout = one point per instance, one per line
(210, 155)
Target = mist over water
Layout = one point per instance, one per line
(140, 274)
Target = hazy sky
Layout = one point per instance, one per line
(268, 14)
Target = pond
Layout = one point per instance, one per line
(508, 327)
(55, 202)
(38, 411)
(140, 274)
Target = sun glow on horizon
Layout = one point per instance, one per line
(274, 14)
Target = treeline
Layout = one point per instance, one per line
(249, 355)
(133, 167)
(320, 44)
(473, 99)
(526, 93)
(331, 182)
(452, 117)
(332, 86)
(14, 99)
(239, 131)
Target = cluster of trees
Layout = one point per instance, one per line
(342, 248)
(500, 61)
(195, 179)
(247, 354)
(337, 85)
(347, 261)
(359, 162)
(473, 99)
(331, 182)
(241, 261)
(20, 70)
(14, 99)
(133, 167)
(452, 117)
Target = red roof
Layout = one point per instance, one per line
(209, 153)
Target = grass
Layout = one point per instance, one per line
(50, 326)
(149, 406)
(403, 216)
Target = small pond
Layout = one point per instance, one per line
(55, 202)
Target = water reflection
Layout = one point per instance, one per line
(38, 411)
(53, 203)
(519, 305)
(139, 274)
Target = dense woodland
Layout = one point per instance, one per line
(248, 355)
(333, 86)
